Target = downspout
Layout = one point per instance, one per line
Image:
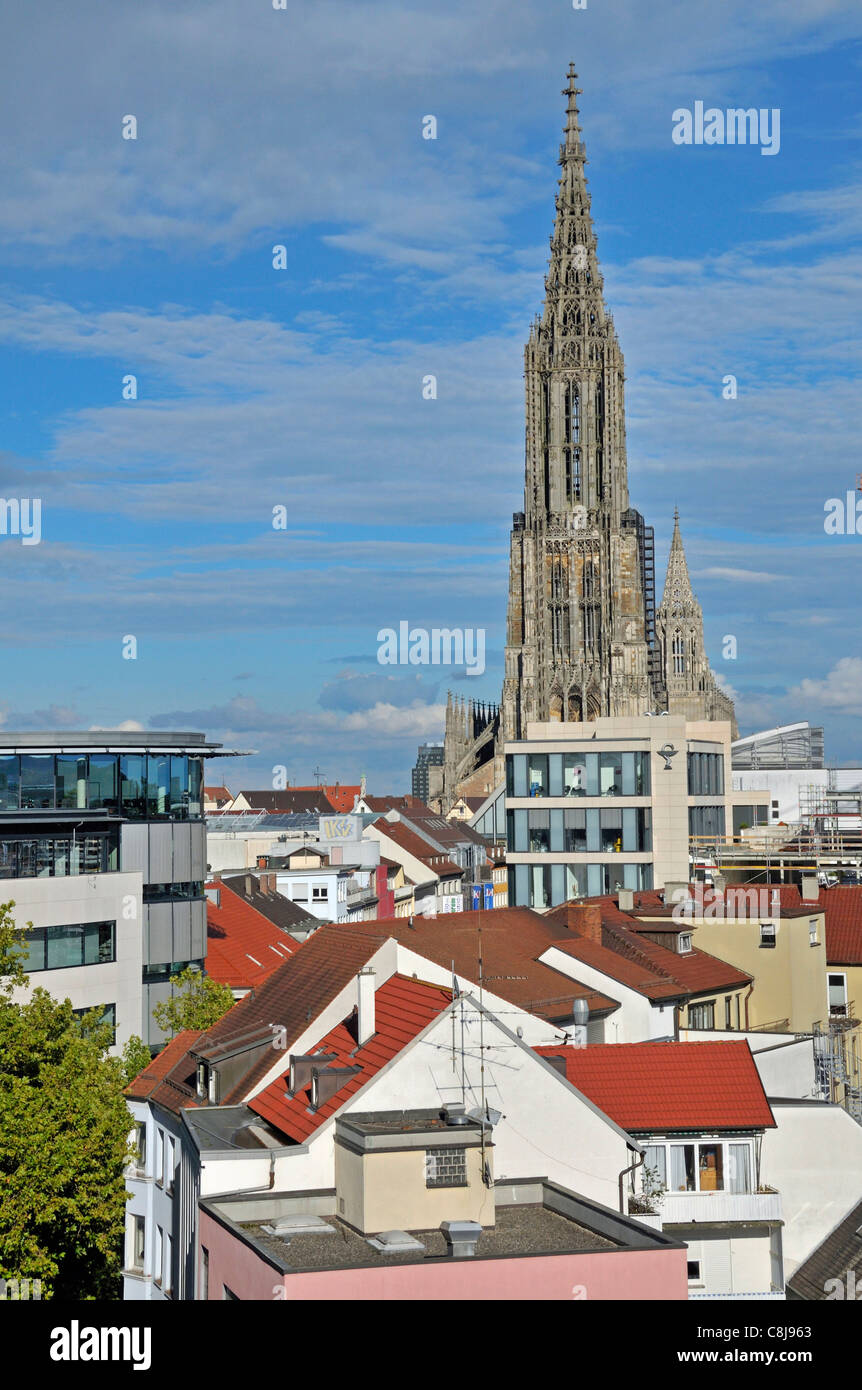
(631, 1169)
(747, 997)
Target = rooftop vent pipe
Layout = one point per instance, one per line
(461, 1238)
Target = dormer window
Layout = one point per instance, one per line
(201, 1084)
(684, 942)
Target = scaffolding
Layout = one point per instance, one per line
(838, 1062)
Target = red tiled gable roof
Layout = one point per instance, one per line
(217, 794)
(291, 998)
(512, 940)
(408, 840)
(398, 803)
(657, 1086)
(341, 798)
(403, 1008)
(643, 965)
(243, 947)
(169, 1073)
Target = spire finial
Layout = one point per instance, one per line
(572, 129)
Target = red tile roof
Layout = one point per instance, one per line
(435, 860)
(512, 940)
(290, 998)
(168, 1074)
(646, 967)
(658, 1086)
(243, 947)
(403, 1008)
(341, 798)
(842, 908)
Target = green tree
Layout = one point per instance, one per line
(136, 1056)
(199, 1002)
(64, 1139)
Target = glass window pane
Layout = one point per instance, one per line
(558, 884)
(739, 1156)
(35, 943)
(538, 774)
(592, 762)
(557, 831)
(132, 786)
(655, 1158)
(574, 775)
(519, 764)
(10, 778)
(179, 786)
(158, 786)
(65, 946)
(71, 782)
(555, 774)
(103, 783)
(711, 1167)
(593, 840)
(682, 1168)
(628, 774)
(37, 780)
(196, 779)
(610, 774)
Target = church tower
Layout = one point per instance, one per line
(583, 636)
(576, 643)
(687, 683)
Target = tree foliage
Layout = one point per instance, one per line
(64, 1139)
(198, 1003)
(136, 1056)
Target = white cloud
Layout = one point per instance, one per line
(841, 688)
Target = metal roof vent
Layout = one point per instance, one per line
(396, 1243)
(461, 1237)
(454, 1115)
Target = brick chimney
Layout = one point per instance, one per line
(585, 919)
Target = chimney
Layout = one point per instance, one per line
(585, 919)
(675, 892)
(248, 885)
(366, 1025)
(810, 888)
(626, 900)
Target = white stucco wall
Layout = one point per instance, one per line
(814, 1159)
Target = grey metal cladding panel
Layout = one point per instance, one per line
(134, 850)
(198, 914)
(182, 854)
(198, 850)
(160, 934)
(182, 949)
(161, 854)
(154, 994)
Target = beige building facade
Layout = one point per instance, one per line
(613, 803)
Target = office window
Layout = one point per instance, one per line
(319, 893)
(682, 1168)
(538, 774)
(767, 934)
(37, 781)
(701, 1015)
(540, 830)
(71, 783)
(179, 803)
(693, 1268)
(168, 1263)
(107, 1015)
(59, 948)
(133, 781)
(10, 783)
(196, 778)
(102, 783)
(611, 774)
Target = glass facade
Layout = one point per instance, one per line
(58, 856)
(59, 948)
(548, 885)
(136, 786)
(593, 830)
(705, 774)
(578, 774)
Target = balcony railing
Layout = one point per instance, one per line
(685, 1208)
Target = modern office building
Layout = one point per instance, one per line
(118, 817)
(425, 782)
(613, 803)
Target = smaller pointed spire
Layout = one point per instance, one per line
(677, 584)
(573, 145)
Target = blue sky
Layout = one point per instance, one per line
(405, 257)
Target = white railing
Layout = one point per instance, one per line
(678, 1208)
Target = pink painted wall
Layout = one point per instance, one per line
(619, 1275)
